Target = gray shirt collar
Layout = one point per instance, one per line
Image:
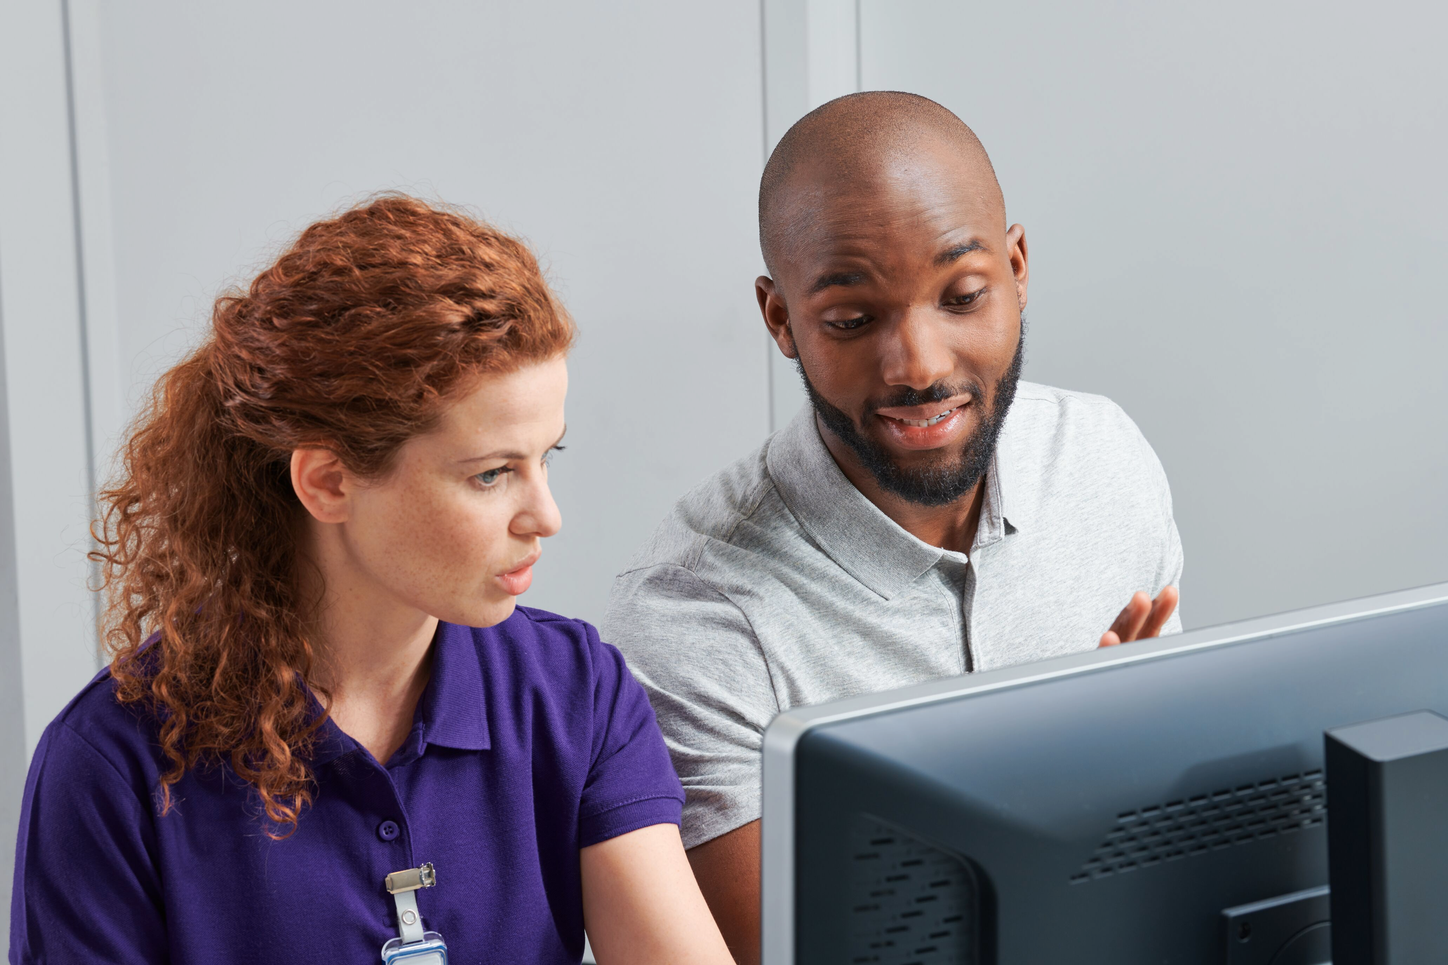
(850, 529)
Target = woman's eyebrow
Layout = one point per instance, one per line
(501, 454)
(510, 453)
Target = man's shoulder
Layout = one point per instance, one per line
(1064, 423)
(1059, 439)
(1056, 405)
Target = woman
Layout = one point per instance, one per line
(322, 698)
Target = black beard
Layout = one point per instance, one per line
(928, 485)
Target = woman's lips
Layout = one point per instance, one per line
(517, 580)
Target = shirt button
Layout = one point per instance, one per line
(388, 830)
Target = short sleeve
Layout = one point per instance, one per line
(697, 656)
(1170, 561)
(86, 885)
(631, 783)
(1171, 568)
(1166, 568)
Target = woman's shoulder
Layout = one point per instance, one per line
(95, 728)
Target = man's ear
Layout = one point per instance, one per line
(321, 483)
(1020, 261)
(776, 315)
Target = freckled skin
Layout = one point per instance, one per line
(434, 535)
(442, 536)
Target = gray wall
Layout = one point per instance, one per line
(1238, 225)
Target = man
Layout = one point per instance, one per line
(927, 515)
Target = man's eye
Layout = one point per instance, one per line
(967, 299)
(849, 323)
(492, 476)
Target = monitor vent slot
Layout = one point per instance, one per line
(1208, 822)
(910, 903)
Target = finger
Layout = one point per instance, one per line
(1161, 610)
(1140, 609)
(1130, 616)
(1108, 639)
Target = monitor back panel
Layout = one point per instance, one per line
(1104, 816)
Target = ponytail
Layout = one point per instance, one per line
(199, 557)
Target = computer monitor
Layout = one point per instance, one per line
(1104, 807)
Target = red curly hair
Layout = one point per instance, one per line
(353, 341)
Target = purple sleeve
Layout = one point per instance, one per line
(86, 888)
(631, 782)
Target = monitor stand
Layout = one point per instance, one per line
(1287, 930)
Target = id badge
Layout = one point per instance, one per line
(429, 951)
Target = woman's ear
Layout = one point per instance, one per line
(321, 483)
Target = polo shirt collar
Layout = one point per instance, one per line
(853, 531)
(453, 708)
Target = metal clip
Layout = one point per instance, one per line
(411, 879)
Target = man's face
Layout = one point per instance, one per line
(901, 296)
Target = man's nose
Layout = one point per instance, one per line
(914, 352)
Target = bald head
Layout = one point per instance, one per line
(860, 142)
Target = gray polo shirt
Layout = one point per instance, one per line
(776, 584)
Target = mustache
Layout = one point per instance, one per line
(938, 392)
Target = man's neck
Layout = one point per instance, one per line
(951, 526)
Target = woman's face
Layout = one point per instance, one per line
(453, 530)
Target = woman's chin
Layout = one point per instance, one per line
(487, 613)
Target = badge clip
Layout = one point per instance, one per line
(413, 945)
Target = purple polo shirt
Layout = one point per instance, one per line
(531, 741)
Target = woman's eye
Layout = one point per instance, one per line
(548, 456)
(492, 476)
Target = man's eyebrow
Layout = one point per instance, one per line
(510, 454)
(848, 278)
(830, 280)
(950, 255)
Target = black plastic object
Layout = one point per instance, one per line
(1292, 929)
(1388, 840)
(1100, 808)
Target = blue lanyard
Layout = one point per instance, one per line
(413, 945)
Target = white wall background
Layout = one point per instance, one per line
(1236, 218)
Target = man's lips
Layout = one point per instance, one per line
(925, 426)
(517, 580)
(922, 415)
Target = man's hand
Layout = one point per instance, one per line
(1142, 618)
